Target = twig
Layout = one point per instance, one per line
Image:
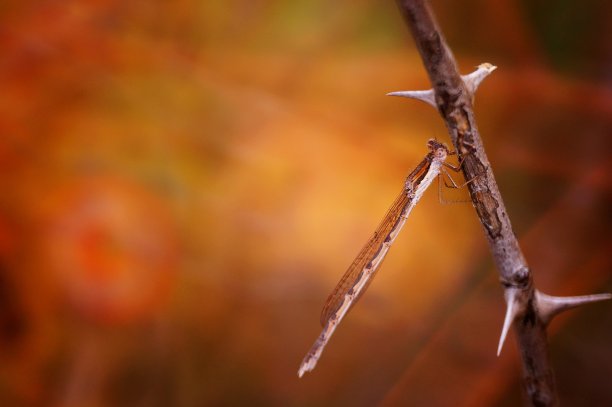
(528, 310)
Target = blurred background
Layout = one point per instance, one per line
(183, 184)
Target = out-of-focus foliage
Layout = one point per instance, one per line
(184, 182)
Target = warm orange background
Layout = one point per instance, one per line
(184, 182)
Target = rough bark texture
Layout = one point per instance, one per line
(454, 102)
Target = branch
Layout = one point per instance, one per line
(528, 310)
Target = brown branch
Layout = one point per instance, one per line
(528, 310)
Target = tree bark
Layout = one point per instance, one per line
(454, 103)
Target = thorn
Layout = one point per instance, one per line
(549, 306)
(426, 96)
(472, 81)
(512, 308)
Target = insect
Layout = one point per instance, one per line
(356, 279)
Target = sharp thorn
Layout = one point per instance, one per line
(549, 306)
(512, 308)
(426, 96)
(473, 80)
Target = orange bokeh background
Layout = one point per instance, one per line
(184, 182)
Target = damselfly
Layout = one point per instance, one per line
(360, 273)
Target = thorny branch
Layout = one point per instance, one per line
(528, 310)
